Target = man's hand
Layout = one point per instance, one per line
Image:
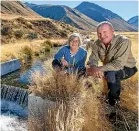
(95, 71)
(64, 62)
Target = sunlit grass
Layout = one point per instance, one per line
(129, 94)
(15, 50)
(77, 106)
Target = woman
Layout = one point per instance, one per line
(71, 57)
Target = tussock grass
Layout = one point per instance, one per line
(17, 50)
(129, 94)
(95, 118)
(56, 85)
(27, 51)
(77, 106)
(47, 45)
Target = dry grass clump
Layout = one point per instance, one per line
(95, 118)
(32, 35)
(57, 85)
(129, 94)
(19, 34)
(47, 45)
(17, 50)
(47, 42)
(27, 52)
(67, 93)
(67, 116)
(6, 30)
(62, 116)
(77, 106)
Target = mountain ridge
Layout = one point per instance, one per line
(100, 14)
(133, 21)
(65, 14)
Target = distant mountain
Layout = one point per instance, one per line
(65, 14)
(99, 14)
(133, 21)
(16, 8)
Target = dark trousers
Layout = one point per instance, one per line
(58, 65)
(113, 79)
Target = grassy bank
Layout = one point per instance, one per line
(28, 49)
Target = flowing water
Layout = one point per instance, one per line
(12, 123)
(21, 78)
(14, 108)
(14, 100)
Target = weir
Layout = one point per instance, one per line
(15, 94)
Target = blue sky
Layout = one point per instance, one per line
(126, 9)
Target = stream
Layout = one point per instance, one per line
(13, 113)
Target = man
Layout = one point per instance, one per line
(118, 62)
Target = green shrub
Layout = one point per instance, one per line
(27, 51)
(56, 44)
(46, 48)
(6, 30)
(21, 20)
(47, 45)
(47, 42)
(18, 34)
(32, 36)
(36, 53)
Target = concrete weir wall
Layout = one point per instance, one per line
(14, 100)
(10, 66)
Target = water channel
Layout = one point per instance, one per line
(14, 94)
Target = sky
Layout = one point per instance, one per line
(125, 9)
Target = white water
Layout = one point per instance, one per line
(9, 119)
(8, 123)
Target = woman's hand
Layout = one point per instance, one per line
(64, 62)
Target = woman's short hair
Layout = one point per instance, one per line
(72, 36)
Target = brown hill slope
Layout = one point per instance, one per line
(16, 8)
(20, 22)
(20, 28)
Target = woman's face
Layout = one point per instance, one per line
(74, 43)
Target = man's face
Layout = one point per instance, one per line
(105, 34)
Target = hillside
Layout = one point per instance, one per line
(133, 21)
(20, 22)
(16, 8)
(65, 14)
(99, 14)
(21, 28)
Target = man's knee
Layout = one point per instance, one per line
(110, 76)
